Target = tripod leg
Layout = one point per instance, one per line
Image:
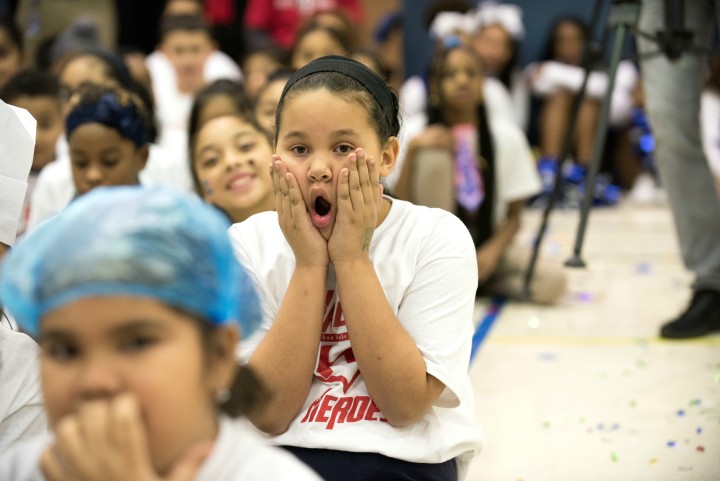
(588, 59)
(576, 260)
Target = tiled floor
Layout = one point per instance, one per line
(585, 390)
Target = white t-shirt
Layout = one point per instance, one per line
(520, 95)
(55, 188)
(21, 408)
(622, 101)
(425, 260)
(550, 76)
(238, 454)
(710, 128)
(516, 176)
(413, 112)
(17, 140)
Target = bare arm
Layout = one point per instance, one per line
(285, 359)
(393, 367)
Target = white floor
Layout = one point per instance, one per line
(585, 390)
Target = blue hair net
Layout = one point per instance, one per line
(135, 241)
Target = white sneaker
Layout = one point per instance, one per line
(645, 191)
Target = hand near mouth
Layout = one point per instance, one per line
(305, 240)
(359, 196)
(108, 440)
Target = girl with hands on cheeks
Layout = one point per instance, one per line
(137, 338)
(367, 301)
(358, 201)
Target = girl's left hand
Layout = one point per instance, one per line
(106, 441)
(359, 197)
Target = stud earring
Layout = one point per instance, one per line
(223, 395)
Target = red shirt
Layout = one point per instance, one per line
(281, 18)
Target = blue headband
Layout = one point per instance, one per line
(107, 110)
(154, 243)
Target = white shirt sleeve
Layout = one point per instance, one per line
(498, 101)
(17, 143)
(621, 102)
(21, 408)
(710, 128)
(220, 65)
(53, 191)
(548, 77)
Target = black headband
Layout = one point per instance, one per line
(354, 69)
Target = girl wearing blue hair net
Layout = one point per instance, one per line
(138, 312)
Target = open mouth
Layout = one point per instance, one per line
(322, 206)
(322, 210)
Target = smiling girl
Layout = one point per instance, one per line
(230, 154)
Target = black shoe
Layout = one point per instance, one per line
(701, 317)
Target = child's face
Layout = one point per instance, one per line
(461, 81)
(315, 44)
(217, 106)
(568, 43)
(267, 104)
(231, 160)
(47, 112)
(187, 50)
(495, 47)
(256, 69)
(100, 156)
(318, 131)
(10, 57)
(94, 349)
(79, 71)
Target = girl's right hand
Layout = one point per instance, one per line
(308, 245)
(107, 441)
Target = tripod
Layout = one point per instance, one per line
(623, 17)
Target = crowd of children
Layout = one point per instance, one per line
(281, 237)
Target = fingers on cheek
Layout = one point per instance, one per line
(51, 466)
(68, 431)
(128, 424)
(69, 447)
